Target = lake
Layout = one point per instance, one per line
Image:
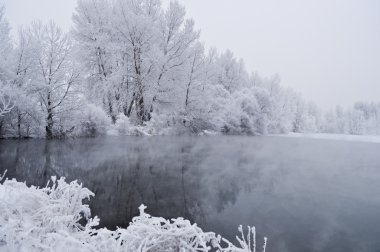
(304, 194)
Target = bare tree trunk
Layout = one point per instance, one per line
(49, 126)
(140, 108)
(1, 128)
(187, 95)
(19, 125)
(129, 110)
(139, 101)
(155, 96)
(190, 81)
(49, 119)
(110, 108)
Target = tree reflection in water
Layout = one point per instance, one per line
(305, 195)
(172, 179)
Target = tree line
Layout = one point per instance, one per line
(136, 63)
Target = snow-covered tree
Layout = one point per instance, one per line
(94, 49)
(178, 50)
(231, 72)
(57, 75)
(5, 45)
(6, 102)
(143, 64)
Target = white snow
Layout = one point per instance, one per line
(341, 137)
(47, 219)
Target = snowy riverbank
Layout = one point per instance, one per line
(341, 137)
(51, 219)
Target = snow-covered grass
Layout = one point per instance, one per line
(55, 218)
(343, 137)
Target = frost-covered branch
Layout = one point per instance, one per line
(6, 104)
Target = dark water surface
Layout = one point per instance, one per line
(304, 194)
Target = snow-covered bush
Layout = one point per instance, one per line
(124, 127)
(93, 121)
(26, 119)
(81, 118)
(34, 219)
(54, 218)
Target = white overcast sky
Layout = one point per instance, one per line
(328, 50)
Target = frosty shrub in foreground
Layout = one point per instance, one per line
(47, 219)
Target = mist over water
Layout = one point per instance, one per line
(304, 194)
(270, 112)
